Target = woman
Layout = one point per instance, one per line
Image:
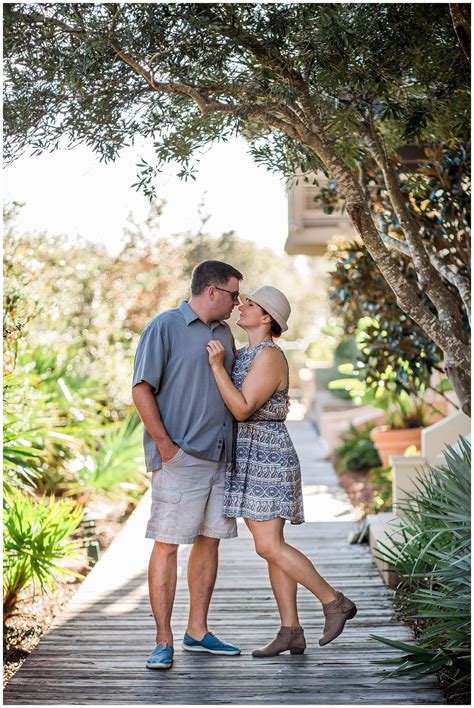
(263, 484)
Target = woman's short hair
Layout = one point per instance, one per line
(275, 329)
(212, 273)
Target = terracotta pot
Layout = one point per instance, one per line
(394, 442)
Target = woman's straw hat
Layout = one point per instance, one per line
(274, 302)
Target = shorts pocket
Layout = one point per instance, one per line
(175, 458)
(163, 495)
(164, 511)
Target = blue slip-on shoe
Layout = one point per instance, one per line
(161, 657)
(210, 644)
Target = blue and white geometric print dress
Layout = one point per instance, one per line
(264, 480)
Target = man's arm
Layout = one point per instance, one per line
(145, 403)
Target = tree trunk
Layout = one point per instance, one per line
(460, 379)
(456, 352)
(461, 17)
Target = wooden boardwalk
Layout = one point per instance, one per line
(95, 652)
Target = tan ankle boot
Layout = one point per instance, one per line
(337, 613)
(288, 638)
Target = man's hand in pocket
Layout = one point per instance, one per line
(168, 451)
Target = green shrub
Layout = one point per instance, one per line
(381, 478)
(23, 449)
(432, 556)
(115, 464)
(345, 352)
(35, 539)
(50, 418)
(357, 451)
(402, 410)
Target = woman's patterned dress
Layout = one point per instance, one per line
(264, 480)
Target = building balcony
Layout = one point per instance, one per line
(310, 229)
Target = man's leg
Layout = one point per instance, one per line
(162, 574)
(202, 572)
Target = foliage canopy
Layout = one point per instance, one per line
(310, 86)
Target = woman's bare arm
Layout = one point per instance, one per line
(267, 373)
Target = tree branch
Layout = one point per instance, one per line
(461, 17)
(34, 17)
(457, 353)
(462, 284)
(275, 61)
(274, 121)
(400, 246)
(427, 275)
(205, 104)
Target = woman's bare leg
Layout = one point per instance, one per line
(284, 589)
(271, 545)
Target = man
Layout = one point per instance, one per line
(187, 441)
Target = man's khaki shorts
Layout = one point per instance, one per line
(187, 497)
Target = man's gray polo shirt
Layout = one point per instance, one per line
(172, 357)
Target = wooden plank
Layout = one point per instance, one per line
(94, 654)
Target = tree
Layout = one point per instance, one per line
(440, 205)
(362, 300)
(311, 86)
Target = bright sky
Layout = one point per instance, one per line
(70, 192)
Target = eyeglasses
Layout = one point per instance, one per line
(235, 295)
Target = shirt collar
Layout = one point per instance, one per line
(190, 316)
(187, 312)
